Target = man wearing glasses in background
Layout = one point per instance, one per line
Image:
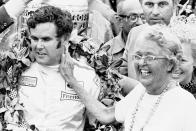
(130, 14)
(156, 12)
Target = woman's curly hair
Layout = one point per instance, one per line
(168, 41)
(62, 19)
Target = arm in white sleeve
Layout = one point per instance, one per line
(96, 108)
(104, 9)
(15, 7)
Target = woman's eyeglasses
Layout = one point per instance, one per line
(133, 17)
(148, 58)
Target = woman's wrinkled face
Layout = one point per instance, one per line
(184, 72)
(151, 74)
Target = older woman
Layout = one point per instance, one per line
(158, 104)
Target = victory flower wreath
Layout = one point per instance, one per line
(96, 56)
(12, 63)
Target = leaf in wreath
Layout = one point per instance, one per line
(3, 64)
(20, 52)
(98, 63)
(104, 60)
(3, 91)
(109, 128)
(107, 102)
(117, 63)
(9, 72)
(102, 69)
(26, 61)
(104, 49)
(90, 45)
(73, 46)
(101, 46)
(19, 107)
(3, 109)
(13, 94)
(7, 101)
(113, 73)
(12, 127)
(21, 114)
(109, 82)
(15, 117)
(8, 116)
(118, 96)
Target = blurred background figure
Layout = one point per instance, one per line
(9, 11)
(185, 29)
(187, 70)
(130, 14)
(98, 18)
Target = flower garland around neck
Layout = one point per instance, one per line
(13, 62)
(153, 110)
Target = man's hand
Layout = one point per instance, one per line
(66, 67)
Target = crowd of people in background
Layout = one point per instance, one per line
(92, 65)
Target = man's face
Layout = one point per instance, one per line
(158, 11)
(131, 11)
(44, 44)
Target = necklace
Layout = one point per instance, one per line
(156, 104)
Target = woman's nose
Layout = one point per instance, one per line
(142, 61)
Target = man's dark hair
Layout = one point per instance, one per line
(62, 20)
